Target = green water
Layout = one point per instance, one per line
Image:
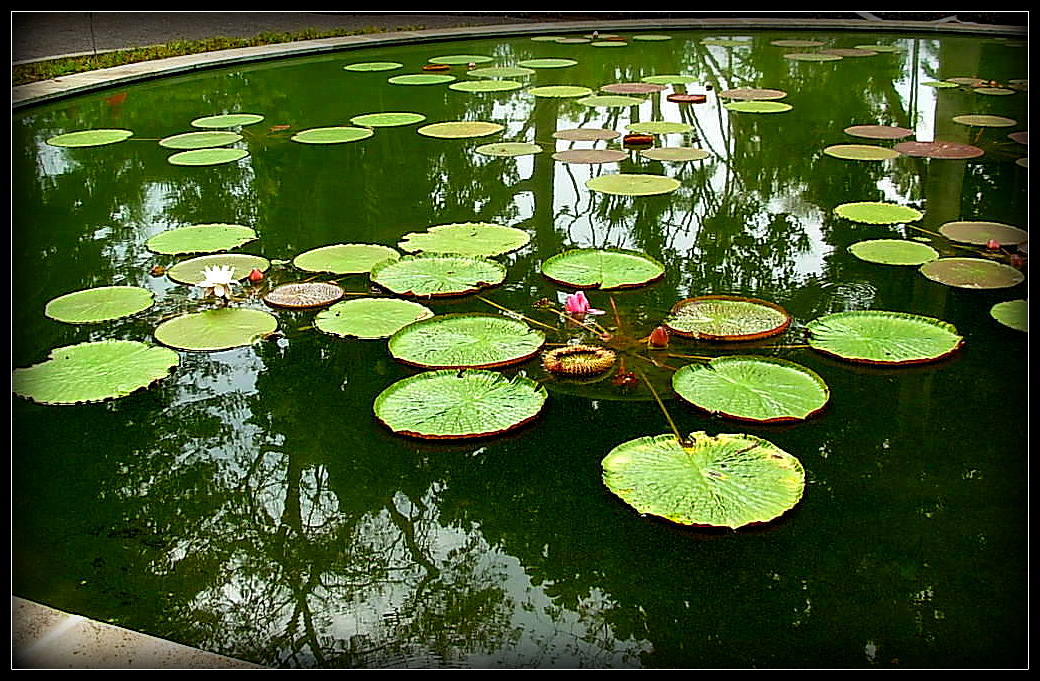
(251, 505)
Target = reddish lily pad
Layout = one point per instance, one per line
(633, 88)
(590, 156)
(939, 149)
(981, 233)
(972, 273)
(586, 134)
(304, 295)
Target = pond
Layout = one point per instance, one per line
(250, 503)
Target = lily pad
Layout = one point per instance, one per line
(370, 318)
(332, 135)
(893, 252)
(1022, 137)
(651, 37)
(586, 134)
(560, 91)
(602, 268)
(218, 329)
(972, 273)
(659, 127)
(207, 157)
(727, 480)
(344, 258)
(812, 56)
(590, 156)
(99, 304)
(939, 149)
(639, 88)
(676, 154)
(758, 106)
(878, 213)
(849, 52)
(421, 79)
(985, 121)
(437, 275)
(200, 140)
(610, 101)
(459, 59)
(939, 84)
(473, 341)
(388, 119)
(190, 271)
(466, 238)
(453, 404)
(227, 120)
(373, 66)
(880, 132)
(509, 149)
(486, 85)
(208, 238)
(1012, 313)
(671, 79)
(753, 94)
(608, 43)
(553, 63)
(500, 72)
(727, 318)
(304, 295)
(90, 138)
(881, 337)
(796, 42)
(981, 233)
(761, 389)
(861, 152)
(94, 372)
(993, 91)
(627, 184)
(460, 129)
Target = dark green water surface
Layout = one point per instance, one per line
(251, 504)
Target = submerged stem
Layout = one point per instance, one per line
(506, 309)
(664, 410)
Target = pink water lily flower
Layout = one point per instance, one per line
(577, 304)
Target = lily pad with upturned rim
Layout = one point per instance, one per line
(387, 119)
(590, 156)
(227, 120)
(455, 404)
(812, 57)
(981, 233)
(218, 329)
(878, 213)
(90, 138)
(758, 106)
(432, 275)
(370, 318)
(749, 388)
(671, 79)
(304, 295)
(509, 149)
(602, 268)
(484, 239)
(206, 238)
(200, 140)
(640, 88)
(1012, 313)
(332, 135)
(344, 258)
(796, 42)
(883, 337)
(893, 252)
(560, 91)
(460, 129)
(675, 154)
(653, 37)
(190, 271)
(860, 152)
(753, 94)
(972, 273)
(366, 66)
(465, 341)
(633, 184)
(94, 372)
(727, 318)
(99, 304)
(726, 480)
(207, 157)
(459, 59)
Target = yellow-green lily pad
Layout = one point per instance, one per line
(893, 252)
(344, 258)
(878, 213)
(90, 138)
(611, 268)
(191, 271)
(1012, 313)
(483, 239)
(370, 318)
(473, 341)
(99, 304)
(207, 157)
(227, 120)
(218, 329)
(633, 184)
(332, 135)
(200, 140)
(460, 129)
(206, 238)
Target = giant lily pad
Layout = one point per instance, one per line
(893, 252)
(207, 157)
(460, 129)
(748, 93)
(509, 149)
(344, 258)
(94, 372)
(486, 85)
(218, 329)
(671, 79)
(747, 388)
(972, 273)
(640, 88)
(758, 106)
(303, 295)
(474, 341)
(421, 79)
(500, 72)
(332, 135)
(880, 132)
(207, 238)
(727, 318)
(812, 56)
(365, 66)
(981, 233)
(454, 404)
(659, 127)
(676, 154)
(90, 138)
(99, 304)
(200, 140)
(727, 480)
(387, 119)
(590, 156)
(878, 213)
(985, 121)
(881, 337)
(560, 91)
(939, 149)
(1012, 313)
(466, 238)
(603, 268)
(190, 271)
(586, 134)
(457, 59)
(370, 318)
(435, 275)
(552, 63)
(610, 101)
(633, 184)
(860, 152)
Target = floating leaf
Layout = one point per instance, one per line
(586, 134)
(880, 132)
(608, 43)
(547, 63)
(99, 304)
(727, 318)
(207, 157)
(387, 120)
(651, 37)
(434, 275)
(640, 88)
(370, 318)
(880, 337)
(877, 213)
(1022, 136)
(966, 81)
(227, 120)
(560, 91)
(509, 149)
(457, 341)
(985, 121)
(466, 238)
(190, 271)
(671, 79)
(812, 56)
(421, 79)
(590, 156)
(602, 268)
(758, 106)
(981, 233)
(753, 94)
(218, 329)
(727, 480)
(973, 273)
(939, 149)
(993, 91)
(675, 154)
(458, 59)
(879, 48)
(207, 238)
(344, 258)
(90, 138)
(332, 135)
(849, 52)
(200, 140)
(939, 84)
(500, 72)
(625, 184)
(94, 372)
(459, 404)
(373, 66)
(610, 101)
(1012, 313)
(659, 127)
(304, 295)
(860, 152)
(460, 129)
(748, 388)
(796, 42)
(486, 85)
(893, 252)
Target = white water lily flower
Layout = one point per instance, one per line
(218, 280)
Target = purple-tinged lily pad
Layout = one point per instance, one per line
(972, 273)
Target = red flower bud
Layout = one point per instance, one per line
(659, 338)
(993, 245)
(256, 275)
(1017, 261)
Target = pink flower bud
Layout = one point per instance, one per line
(577, 304)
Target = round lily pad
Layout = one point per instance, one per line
(547, 63)
(610, 101)
(671, 79)
(438, 275)
(90, 138)
(421, 79)
(190, 271)
(370, 318)
(748, 388)
(966, 81)
(893, 252)
(486, 85)
(1022, 137)
(586, 134)
(458, 341)
(861, 152)
(94, 372)
(993, 91)
(304, 295)
(208, 238)
(726, 480)
(849, 52)
(451, 404)
(812, 56)
(457, 59)
(1012, 313)
(939, 149)
(972, 273)
(207, 157)
(602, 268)
(608, 43)
(659, 127)
(572, 41)
(227, 120)
(509, 149)
(460, 129)
(651, 37)
(99, 304)
(879, 48)
(344, 258)
(878, 213)
(880, 132)
(676, 154)
(560, 91)
(466, 238)
(373, 66)
(627, 184)
(500, 72)
(796, 42)
(939, 84)
(753, 94)
(881, 337)
(981, 233)
(639, 88)
(590, 156)
(332, 135)
(218, 329)
(985, 121)
(388, 119)
(200, 140)
(758, 106)
(727, 318)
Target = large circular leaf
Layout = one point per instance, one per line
(421, 79)
(200, 140)
(671, 79)
(218, 329)
(590, 156)
(659, 127)
(370, 318)
(878, 213)
(1012, 313)
(455, 341)
(459, 404)
(499, 72)
(560, 91)
(457, 59)
(226, 120)
(93, 372)
(586, 134)
(750, 388)
(90, 138)
(939, 149)
(332, 135)
(972, 273)
(757, 106)
(981, 233)
(466, 238)
(881, 132)
(304, 295)
(344, 258)
(509, 149)
(985, 121)
(727, 318)
(602, 268)
(373, 66)
(675, 154)
(752, 93)
(207, 238)
(546, 63)
(435, 275)
(893, 251)
(387, 119)
(207, 157)
(99, 304)
(861, 152)
(486, 85)
(610, 101)
(628, 184)
(190, 271)
(881, 337)
(460, 129)
(727, 480)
